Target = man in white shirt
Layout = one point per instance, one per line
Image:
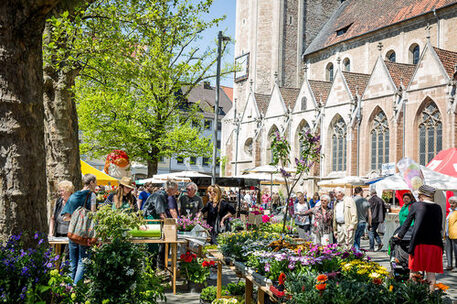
(344, 219)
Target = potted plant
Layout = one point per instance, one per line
(209, 294)
(195, 270)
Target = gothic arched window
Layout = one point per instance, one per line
(329, 72)
(339, 145)
(302, 127)
(347, 64)
(414, 53)
(430, 133)
(379, 141)
(391, 56)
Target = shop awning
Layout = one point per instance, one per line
(103, 179)
(445, 162)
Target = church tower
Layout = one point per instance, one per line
(271, 36)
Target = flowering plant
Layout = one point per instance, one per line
(194, 269)
(188, 223)
(23, 272)
(309, 154)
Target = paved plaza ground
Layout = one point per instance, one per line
(448, 278)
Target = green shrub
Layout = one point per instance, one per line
(236, 289)
(209, 293)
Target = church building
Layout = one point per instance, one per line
(375, 79)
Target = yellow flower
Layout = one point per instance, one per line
(73, 296)
(391, 287)
(374, 275)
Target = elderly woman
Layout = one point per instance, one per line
(426, 246)
(302, 213)
(323, 221)
(451, 233)
(408, 201)
(58, 226)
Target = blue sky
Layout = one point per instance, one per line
(220, 8)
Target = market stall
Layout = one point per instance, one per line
(103, 179)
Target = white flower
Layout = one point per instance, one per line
(130, 272)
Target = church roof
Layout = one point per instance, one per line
(262, 102)
(289, 95)
(206, 95)
(357, 82)
(320, 89)
(448, 59)
(358, 17)
(400, 72)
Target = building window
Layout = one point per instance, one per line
(343, 30)
(205, 161)
(219, 125)
(347, 64)
(391, 56)
(248, 146)
(208, 124)
(339, 145)
(329, 72)
(303, 127)
(303, 103)
(379, 141)
(162, 159)
(193, 160)
(218, 144)
(180, 160)
(414, 53)
(430, 134)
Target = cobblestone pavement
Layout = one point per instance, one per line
(448, 278)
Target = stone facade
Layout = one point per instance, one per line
(387, 110)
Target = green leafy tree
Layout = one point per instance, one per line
(143, 62)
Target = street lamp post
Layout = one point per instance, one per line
(220, 38)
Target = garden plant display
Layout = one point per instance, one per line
(308, 273)
(195, 270)
(188, 223)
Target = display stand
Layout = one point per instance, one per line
(215, 255)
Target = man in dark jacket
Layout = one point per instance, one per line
(378, 211)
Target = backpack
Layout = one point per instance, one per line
(81, 228)
(153, 206)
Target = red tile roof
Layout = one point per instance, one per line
(357, 82)
(263, 101)
(228, 91)
(448, 59)
(364, 16)
(400, 73)
(289, 95)
(320, 89)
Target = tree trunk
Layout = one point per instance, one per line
(152, 167)
(61, 129)
(22, 154)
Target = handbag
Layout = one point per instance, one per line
(81, 228)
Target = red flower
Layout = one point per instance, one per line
(282, 278)
(205, 264)
(377, 281)
(321, 287)
(276, 292)
(212, 263)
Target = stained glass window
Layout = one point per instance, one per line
(430, 133)
(339, 145)
(379, 141)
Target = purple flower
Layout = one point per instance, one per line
(284, 173)
(267, 267)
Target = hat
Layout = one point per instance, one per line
(427, 190)
(127, 182)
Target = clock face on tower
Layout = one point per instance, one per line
(242, 67)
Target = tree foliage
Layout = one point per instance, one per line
(138, 61)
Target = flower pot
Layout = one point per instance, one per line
(260, 279)
(240, 266)
(194, 287)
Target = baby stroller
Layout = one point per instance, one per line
(399, 255)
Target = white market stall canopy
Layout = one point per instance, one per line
(268, 177)
(149, 180)
(182, 176)
(347, 181)
(269, 169)
(436, 180)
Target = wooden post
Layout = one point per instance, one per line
(174, 253)
(260, 296)
(219, 280)
(166, 255)
(248, 293)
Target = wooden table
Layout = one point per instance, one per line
(217, 256)
(57, 244)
